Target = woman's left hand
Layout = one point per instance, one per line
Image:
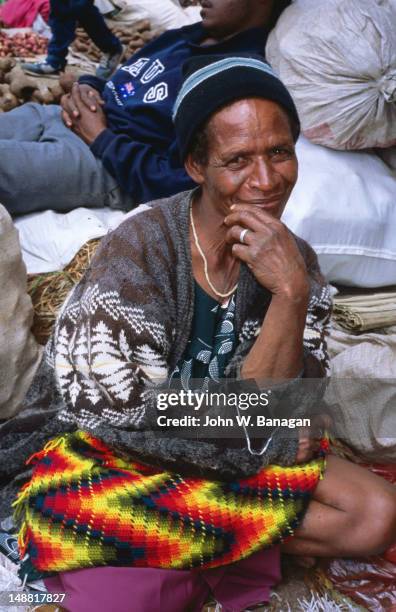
(268, 249)
(310, 438)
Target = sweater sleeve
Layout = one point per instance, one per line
(93, 81)
(110, 349)
(296, 398)
(140, 169)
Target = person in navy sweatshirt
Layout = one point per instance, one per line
(113, 143)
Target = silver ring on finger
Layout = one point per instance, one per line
(242, 235)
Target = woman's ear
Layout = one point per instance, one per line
(194, 169)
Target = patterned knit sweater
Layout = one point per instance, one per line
(126, 325)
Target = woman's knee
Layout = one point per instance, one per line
(367, 504)
(378, 528)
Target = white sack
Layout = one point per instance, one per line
(104, 6)
(19, 353)
(162, 14)
(338, 58)
(49, 240)
(344, 205)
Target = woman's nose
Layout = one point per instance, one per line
(264, 177)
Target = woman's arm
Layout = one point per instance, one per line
(274, 258)
(277, 354)
(114, 334)
(291, 342)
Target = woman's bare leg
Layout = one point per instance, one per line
(352, 513)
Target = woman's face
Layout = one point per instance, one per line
(251, 158)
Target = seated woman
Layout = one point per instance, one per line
(206, 285)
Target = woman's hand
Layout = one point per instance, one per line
(310, 438)
(82, 112)
(269, 250)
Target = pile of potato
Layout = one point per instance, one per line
(27, 44)
(133, 37)
(16, 87)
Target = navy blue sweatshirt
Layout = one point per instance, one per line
(139, 147)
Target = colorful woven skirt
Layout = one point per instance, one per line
(86, 507)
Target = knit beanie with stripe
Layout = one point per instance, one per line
(214, 81)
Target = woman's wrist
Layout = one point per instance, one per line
(297, 295)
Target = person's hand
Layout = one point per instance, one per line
(269, 250)
(310, 438)
(79, 117)
(88, 96)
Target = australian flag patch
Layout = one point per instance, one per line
(127, 90)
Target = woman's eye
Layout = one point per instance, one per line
(236, 162)
(281, 152)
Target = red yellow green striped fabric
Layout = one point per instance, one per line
(85, 507)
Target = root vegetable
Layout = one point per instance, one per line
(148, 36)
(142, 25)
(57, 92)
(133, 37)
(8, 102)
(7, 99)
(66, 81)
(22, 44)
(21, 85)
(80, 46)
(47, 96)
(37, 97)
(136, 44)
(6, 64)
(43, 96)
(95, 53)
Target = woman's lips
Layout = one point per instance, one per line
(271, 206)
(266, 204)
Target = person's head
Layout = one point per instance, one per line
(236, 126)
(223, 18)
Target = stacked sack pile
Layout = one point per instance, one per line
(338, 59)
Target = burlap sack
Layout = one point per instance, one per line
(19, 353)
(362, 392)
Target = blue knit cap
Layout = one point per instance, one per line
(213, 81)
